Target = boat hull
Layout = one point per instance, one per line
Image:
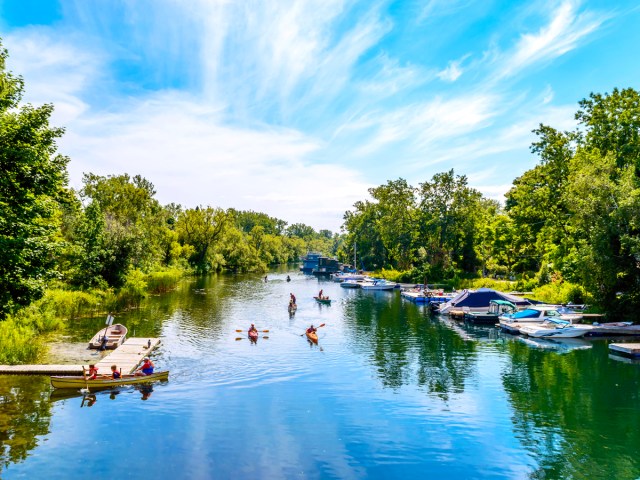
(325, 301)
(312, 337)
(567, 332)
(80, 382)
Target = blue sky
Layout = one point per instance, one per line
(295, 108)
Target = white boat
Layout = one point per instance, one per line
(377, 285)
(345, 276)
(537, 314)
(351, 284)
(555, 328)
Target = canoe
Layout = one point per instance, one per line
(253, 336)
(98, 383)
(326, 301)
(313, 337)
(115, 335)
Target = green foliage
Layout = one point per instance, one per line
(32, 188)
(561, 292)
(161, 281)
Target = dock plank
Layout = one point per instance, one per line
(629, 349)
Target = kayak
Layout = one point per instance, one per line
(313, 337)
(253, 336)
(323, 300)
(81, 382)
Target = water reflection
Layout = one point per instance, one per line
(406, 345)
(25, 415)
(573, 413)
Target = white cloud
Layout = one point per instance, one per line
(453, 70)
(567, 27)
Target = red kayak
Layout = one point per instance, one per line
(253, 336)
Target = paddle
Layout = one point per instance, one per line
(265, 331)
(319, 326)
(242, 338)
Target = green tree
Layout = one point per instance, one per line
(33, 185)
(202, 228)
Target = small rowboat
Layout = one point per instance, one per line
(326, 301)
(253, 336)
(98, 383)
(313, 337)
(112, 337)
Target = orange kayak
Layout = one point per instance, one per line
(313, 337)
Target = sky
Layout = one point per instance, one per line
(295, 108)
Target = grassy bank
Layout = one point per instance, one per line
(24, 335)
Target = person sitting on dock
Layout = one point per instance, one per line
(145, 369)
(115, 374)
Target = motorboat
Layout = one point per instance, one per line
(555, 328)
(346, 276)
(351, 284)
(377, 285)
(496, 308)
(537, 314)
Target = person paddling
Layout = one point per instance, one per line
(311, 329)
(146, 368)
(292, 299)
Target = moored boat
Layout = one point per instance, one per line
(98, 383)
(555, 328)
(496, 308)
(110, 337)
(351, 284)
(377, 285)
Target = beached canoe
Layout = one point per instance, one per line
(112, 337)
(326, 301)
(313, 337)
(98, 383)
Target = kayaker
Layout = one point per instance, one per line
(293, 299)
(311, 329)
(288, 278)
(253, 328)
(146, 368)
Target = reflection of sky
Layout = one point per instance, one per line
(282, 408)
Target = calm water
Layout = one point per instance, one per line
(387, 393)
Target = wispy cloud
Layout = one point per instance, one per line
(453, 70)
(566, 28)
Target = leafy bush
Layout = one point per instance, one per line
(164, 280)
(562, 292)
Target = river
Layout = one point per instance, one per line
(388, 392)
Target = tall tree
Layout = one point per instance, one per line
(32, 187)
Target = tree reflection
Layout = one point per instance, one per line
(577, 414)
(24, 415)
(408, 347)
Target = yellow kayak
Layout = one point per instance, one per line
(313, 337)
(80, 382)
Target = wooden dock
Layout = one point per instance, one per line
(627, 349)
(126, 357)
